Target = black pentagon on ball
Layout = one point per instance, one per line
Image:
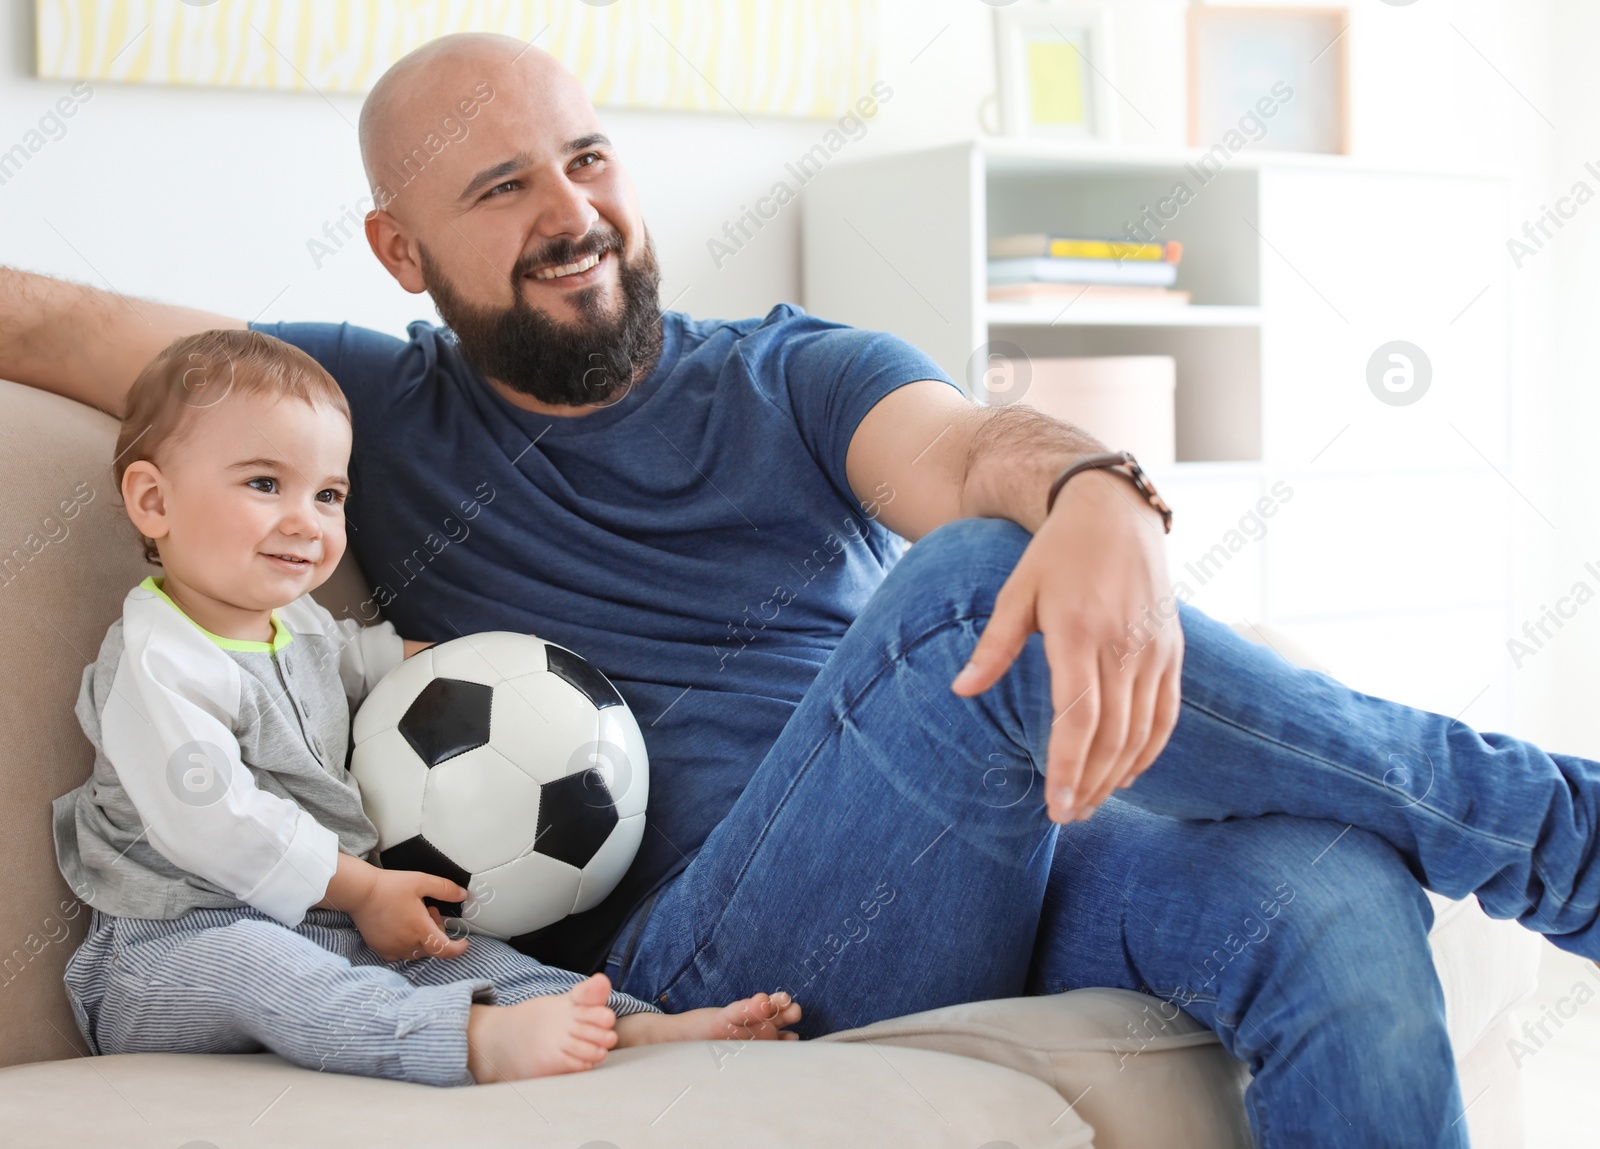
(420, 854)
(572, 824)
(448, 718)
(582, 675)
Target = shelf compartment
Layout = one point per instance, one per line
(1219, 377)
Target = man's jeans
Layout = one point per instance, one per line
(892, 854)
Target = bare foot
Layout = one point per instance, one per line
(542, 1036)
(761, 1017)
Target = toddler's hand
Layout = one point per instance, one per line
(395, 922)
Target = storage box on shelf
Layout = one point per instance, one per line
(1300, 269)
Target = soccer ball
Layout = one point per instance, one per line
(509, 765)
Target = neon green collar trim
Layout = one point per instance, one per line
(282, 636)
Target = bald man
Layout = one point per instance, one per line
(847, 737)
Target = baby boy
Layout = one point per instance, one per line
(220, 840)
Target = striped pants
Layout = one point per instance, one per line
(234, 980)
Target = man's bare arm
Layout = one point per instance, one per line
(926, 454)
(82, 342)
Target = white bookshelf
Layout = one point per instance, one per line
(1391, 559)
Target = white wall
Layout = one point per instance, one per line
(1559, 383)
(209, 198)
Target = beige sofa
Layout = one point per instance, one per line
(1077, 1069)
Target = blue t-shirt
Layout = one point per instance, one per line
(696, 540)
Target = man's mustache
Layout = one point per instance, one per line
(560, 251)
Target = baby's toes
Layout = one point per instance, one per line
(772, 1012)
(591, 991)
(596, 1035)
(583, 1053)
(752, 1018)
(781, 1010)
(601, 1015)
(745, 1015)
(757, 1007)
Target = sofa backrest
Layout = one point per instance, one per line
(68, 555)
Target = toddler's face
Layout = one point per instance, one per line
(251, 500)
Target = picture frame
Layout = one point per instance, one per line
(1053, 71)
(1240, 58)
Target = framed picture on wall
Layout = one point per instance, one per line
(1280, 77)
(1053, 71)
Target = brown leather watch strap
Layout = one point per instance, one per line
(1121, 463)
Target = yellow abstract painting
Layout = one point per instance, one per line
(1055, 84)
(809, 58)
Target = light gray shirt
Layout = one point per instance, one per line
(219, 773)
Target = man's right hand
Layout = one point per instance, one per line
(84, 343)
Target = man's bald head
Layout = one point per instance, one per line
(429, 91)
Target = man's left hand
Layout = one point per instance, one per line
(1094, 583)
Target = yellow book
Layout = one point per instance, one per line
(1104, 249)
(1036, 246)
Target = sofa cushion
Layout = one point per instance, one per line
(1138, 1078)
(689, 1095)
(67, 557)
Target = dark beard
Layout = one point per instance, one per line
(592, 364)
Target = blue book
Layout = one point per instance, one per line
(1130, 273)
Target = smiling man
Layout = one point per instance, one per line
(847, 737)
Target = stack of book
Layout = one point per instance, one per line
(1061, 269)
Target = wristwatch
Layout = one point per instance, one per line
(1118, 463)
